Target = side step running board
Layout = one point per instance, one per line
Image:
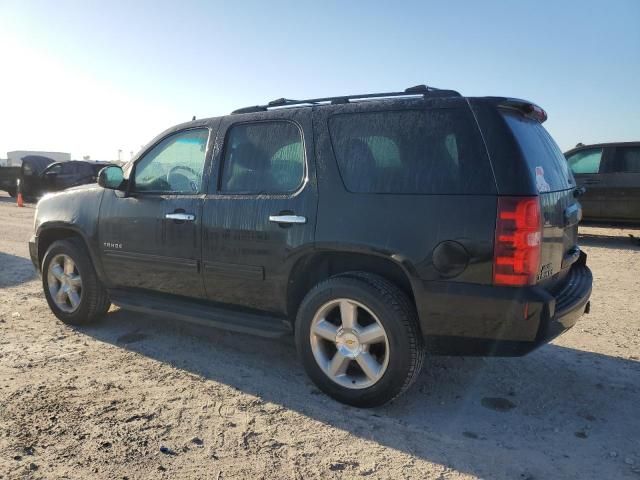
(202, 314)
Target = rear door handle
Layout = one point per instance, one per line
(287, 219)
(185, 217)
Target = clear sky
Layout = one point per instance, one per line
(92, 77)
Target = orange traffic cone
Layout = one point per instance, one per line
(19, 200)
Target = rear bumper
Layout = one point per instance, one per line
(502, 321)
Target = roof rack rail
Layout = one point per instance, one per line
(415, 91)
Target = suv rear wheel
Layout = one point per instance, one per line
(358, 338)
(72, 288)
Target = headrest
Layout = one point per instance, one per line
(249, 156)
(359, 154)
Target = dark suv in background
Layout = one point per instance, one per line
(610, 175)
(367, 225)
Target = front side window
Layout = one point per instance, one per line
(175, 165)
(586, 161)
(262, 158)
(627, 160)
(410, 152)
(56, 169)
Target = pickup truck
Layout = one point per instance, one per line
(40, 175)
(8, 179)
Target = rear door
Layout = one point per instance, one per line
(585, 165)
(620, 184)
(556, 187)
(260, 213)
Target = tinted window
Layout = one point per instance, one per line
(586, 161)
(265, 157)
(175, 165)
(57, 169)
(541, 153)
(627, 160)
(411, 151)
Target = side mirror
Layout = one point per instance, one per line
(111, 177)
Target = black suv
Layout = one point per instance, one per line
(610, 174)
(373, 227)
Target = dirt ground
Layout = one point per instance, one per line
(139, 397)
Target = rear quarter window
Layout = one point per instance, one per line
(436, 151)
(541, 153)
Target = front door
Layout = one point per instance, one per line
(259, 215)
(150, 237)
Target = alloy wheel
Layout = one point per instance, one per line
(349, 343)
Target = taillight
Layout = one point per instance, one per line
(516, 254)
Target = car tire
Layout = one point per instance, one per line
(67, 267)
(359, 381)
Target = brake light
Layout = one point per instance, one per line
(516, 254)
(536, 112)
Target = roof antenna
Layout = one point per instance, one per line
(194, 117)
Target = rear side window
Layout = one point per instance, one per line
(627, 160)
(586, 161)
(411, 152)
(263, 157)
(541, 153)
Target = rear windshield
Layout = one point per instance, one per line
(435, 151)
(541, 153)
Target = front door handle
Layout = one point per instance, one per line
(287, 219)
(184, 217)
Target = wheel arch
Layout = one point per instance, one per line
(54, 231)
(317, 266)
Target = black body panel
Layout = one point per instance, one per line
(140, 248)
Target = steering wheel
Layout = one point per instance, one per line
(179, 179)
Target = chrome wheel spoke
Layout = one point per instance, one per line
(338, 364)
(74, 298)
(348, 314)
(57, 271)
(326, 330)
(69, 266)
(61, 296)
(75, 281)
(370, 334)
(369, 365)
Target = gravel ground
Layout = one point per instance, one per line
(139, 397)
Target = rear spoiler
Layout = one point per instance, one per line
(529, 109)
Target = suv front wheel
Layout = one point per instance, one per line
(72, 288)
(358, 339)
